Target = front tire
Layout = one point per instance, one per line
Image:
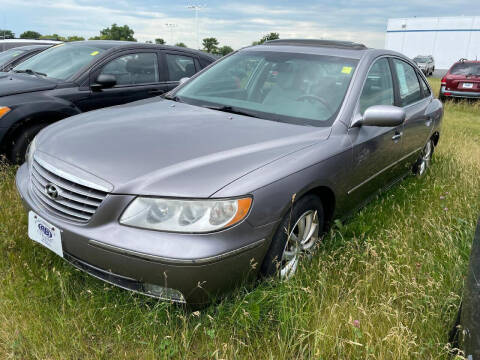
(21, 141)
(423, 162)
(297, 237)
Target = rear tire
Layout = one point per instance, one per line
(20, 142)
(423, 162)
(290, 244)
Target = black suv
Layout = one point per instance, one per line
(71, 78)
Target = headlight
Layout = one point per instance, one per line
(4, 110)
(30, 152)
(186, 216)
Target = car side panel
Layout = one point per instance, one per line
(35, 106)
(274, 186)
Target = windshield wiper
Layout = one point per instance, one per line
(173, 98)
(232, 110)
(30, 72)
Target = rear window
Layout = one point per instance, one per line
(421, 59)
(8, 55)
(465, 69)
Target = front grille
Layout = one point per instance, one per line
(75, 202)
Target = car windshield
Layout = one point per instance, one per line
(8, 55)
(465, 69)
(421, 59)
(61, 61)
(287, 87)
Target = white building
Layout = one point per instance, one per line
(448, 39)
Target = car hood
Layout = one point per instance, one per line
(170, 149)
(11, 84)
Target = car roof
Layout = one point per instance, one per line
(463, 61)
(346, 49)
(115, 44)
(32, 47)
(39, 41)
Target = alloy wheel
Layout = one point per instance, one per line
(425, 158)
(301, 242)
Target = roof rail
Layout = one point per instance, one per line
(319, 43)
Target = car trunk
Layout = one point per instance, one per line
(463, 83)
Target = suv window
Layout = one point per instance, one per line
(465, 68)
(180, 66)
(409, 87)
(378, 88)
(134, 69)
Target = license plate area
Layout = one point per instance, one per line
(44, 233)
(467, 85)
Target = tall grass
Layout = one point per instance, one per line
(385, 285)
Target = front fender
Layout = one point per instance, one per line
(29, 107)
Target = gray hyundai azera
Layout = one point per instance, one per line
(234, 174)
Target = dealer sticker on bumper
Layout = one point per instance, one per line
(44, 233)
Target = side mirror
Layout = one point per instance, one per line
(183, 80)
(381, 115)
(104, 81)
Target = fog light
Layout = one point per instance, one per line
(164, 293)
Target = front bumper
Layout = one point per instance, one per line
(459, 94)
(197, 266)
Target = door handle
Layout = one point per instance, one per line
(157, 91)
(397, 136)
(429, 121)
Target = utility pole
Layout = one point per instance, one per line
(172, 28)
(196, 7)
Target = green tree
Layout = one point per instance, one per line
(181, 44)
(149, 42)
(160, 41)
(224, 50)
(7, 34)
(116, 32)
(210, 45)
(52, 37)
(30, 34)
(75, 38)
(271, 36)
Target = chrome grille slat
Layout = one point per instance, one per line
(62, 202)
(56, 210)
(67, 193)
(75, 202)
(64, 184)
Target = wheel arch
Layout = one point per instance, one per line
(435, 137)
(46, 117)
(327, 196)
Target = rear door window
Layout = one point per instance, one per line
(425, 88)
(180, 66)
(408, 85)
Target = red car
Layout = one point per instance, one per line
(461, 81)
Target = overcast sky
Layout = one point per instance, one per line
(235, 23)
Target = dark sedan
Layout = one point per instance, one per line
(236, 173)
(11, 58)
(75, 77)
